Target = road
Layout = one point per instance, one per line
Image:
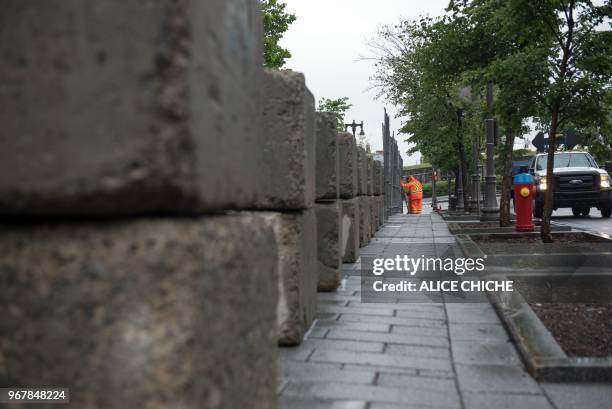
(593, 222)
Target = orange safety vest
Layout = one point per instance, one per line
(415, 188)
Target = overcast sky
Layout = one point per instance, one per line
(327, 41)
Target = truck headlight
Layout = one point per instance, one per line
(542, 184)
(605, 181)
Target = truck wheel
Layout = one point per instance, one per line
(586, 211)
(576, 211)
(538, 210)
(606, 212)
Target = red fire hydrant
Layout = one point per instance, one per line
(524, 194)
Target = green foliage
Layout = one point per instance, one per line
(276, 22)
(338, 107)
(441, 188)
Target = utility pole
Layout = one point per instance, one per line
(474, 199)
(490, 211)
(460, 203)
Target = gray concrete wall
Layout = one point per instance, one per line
(132, 314)
(377, 179)
(365, 225)
(362, 171)
(348, 165)
(370, 174)
(329, 232)
(296, 236)
(350, 230)
(328, 171)
(289, 147)
(105, 113)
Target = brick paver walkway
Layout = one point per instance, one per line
(415, 355)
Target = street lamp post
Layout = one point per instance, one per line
(474, 199)
(460, 203)
(490, 211)
(354, 125)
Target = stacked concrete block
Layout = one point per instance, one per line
(289, 145)
(381, 209)
(140, 116)
(377, 178)
(348, 163)
(289, 152)
(329, 228)
(327, 158)
(162, 305)
(362, 171)
(370, 175)
(373, 215)
(350, 230)
(328, 208)
(378, 191)
(365, 224)
(295, 233)
(349, 191)
(162, 114)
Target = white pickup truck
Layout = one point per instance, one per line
(579, 183)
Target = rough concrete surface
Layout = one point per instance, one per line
(377, 178)
(296, 235)
(171, 313)
(350, 230)
(348, 165)
(374, 221)
(329, 232)
(365, 225)
(134, 116)
(327, 173)
(362, 171)
(370, 174)
(289, 148)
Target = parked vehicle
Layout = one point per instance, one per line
(579, 184)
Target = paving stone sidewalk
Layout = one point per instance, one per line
(415, 354)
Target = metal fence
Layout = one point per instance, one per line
(393, 168)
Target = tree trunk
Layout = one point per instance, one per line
(504, 203)
(567, 51)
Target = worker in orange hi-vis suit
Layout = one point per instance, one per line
(415, 192)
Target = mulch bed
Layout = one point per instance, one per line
(581, 329)
(536, 238)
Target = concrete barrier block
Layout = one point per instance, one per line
(296, 235)
(350, 230)
(362, 171)
(149, 114)
(289, 148)
(370, 174)
(348, 165)
(381, 209)
(378, 178)
(373, 214)
(329, 238)
(327, 174)
(162, 306)
(364, 221)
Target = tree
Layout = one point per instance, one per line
(338, 107)
(276, 22)
(580, 68)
